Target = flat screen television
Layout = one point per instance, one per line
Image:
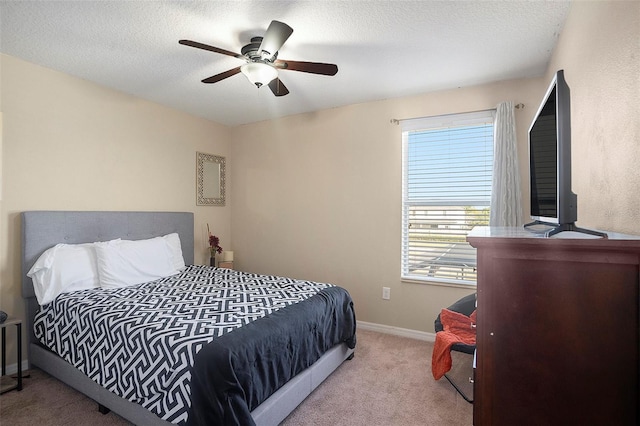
(552, 201)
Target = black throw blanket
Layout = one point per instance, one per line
(236, 372)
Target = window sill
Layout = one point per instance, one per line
(439, 283)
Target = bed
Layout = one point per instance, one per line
(42, 230)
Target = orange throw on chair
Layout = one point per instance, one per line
(457, 329)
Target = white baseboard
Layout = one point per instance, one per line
(403, 332)
(13, 368)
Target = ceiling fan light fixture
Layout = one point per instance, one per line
(259, 73)
(261, 65)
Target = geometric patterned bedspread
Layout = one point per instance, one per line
(139, 342)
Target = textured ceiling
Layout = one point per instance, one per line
(383, 49)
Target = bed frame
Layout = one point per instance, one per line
(44, 229)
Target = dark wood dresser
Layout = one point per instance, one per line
(558, 329)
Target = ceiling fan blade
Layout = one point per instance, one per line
(310, 67)
(221, 76)
(198, 45)
(278, 88)
(277, 33)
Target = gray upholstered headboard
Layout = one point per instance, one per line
(44, 229)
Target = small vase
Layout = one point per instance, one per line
(212, 261)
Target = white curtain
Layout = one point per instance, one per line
(506, 200)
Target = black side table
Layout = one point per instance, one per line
(8, 383)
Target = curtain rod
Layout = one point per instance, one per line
(397, 121)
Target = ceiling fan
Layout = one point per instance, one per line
(261, 55)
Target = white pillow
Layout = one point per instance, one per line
(173, 240)
(64, 268)
(122, 263)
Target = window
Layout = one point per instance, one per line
(447, 167)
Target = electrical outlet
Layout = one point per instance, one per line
(386, 293)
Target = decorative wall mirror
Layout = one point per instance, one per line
(210, 180)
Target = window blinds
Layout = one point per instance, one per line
(447, 168)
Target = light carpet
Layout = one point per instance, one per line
(388, 383)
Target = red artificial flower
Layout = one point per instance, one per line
(214, 243)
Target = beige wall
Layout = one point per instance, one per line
(318, 196)
(72, 145)
(599, 50)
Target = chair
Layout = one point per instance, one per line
(465, 306)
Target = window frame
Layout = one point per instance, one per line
(443, 122)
